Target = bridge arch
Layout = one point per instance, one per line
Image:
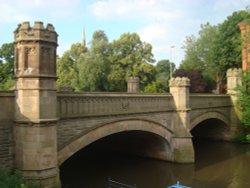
(86, 138)
(210, 125)
(208, 115)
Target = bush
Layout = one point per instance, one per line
(13, 179)
(243, 103)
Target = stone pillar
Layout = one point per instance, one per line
(245, 36)
(133, 85)
(233, 80)
(35, 103)
(182, 144)
(234, 77)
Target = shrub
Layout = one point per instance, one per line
(13, 179)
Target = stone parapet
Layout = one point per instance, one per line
(73, 105)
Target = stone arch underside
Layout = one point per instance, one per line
(208, 115)
(79, 142)
(210, 125)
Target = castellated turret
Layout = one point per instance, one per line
(35, 50)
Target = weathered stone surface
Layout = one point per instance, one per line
(35, 129)
(49, 127)
(6, 129)
(133, 85)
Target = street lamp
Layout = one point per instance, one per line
(171, 71)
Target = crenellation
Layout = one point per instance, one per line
(234, 72)
(38, 32)
(179, 81)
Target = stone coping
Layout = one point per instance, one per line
(7, 94)
(110, 94)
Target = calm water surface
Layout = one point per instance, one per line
(218, 165)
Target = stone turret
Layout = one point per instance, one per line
(35, 50)
(36, 103)
(35, 72)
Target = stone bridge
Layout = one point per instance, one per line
(40, 128)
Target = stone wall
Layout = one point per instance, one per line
(70, 129)
(6, 128)
(75, 105)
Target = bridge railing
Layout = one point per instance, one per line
(72, 105)
(198, 101)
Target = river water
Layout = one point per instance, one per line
(218, 165)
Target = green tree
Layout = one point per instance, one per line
(94, 65)
(228, 45)
(6, 66)
(243, 103)
(129, 56)
(216, 49)
(163, 73)
(200, 53)
(67, 67)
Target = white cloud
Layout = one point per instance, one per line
(20, 10)
(153, 32)
(131, 9)
(157, 20)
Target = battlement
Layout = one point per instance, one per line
(25, 32)
(179, 81)
(234, 72)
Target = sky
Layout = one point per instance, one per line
(162, 23)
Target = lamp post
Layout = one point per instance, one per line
(171, 71)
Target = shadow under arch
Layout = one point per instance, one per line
(210, 125)
(208, 115)
(125, 125)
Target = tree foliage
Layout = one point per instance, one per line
(216, 49)
(106, 66)
(243, 100)
(6, 66)
(130, 57)
(163, 70)
(67, 67)
(197, 82)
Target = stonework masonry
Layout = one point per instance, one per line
(35, 103)
(40, 128)
(6, 129)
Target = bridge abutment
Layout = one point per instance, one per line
(35, 129)
(182, 145)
